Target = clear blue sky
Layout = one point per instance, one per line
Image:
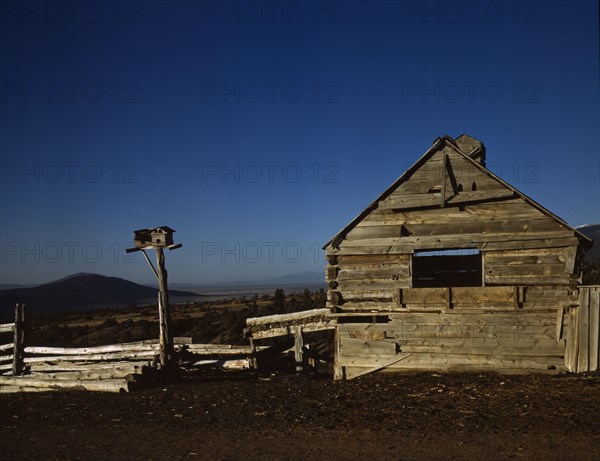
(258, 130)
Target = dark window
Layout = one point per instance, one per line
(447, 268)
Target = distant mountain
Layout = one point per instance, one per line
(307, 277)
(300, 277)
(592, 231)
(9, 286)
(82, 291)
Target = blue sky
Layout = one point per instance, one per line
(258, 130)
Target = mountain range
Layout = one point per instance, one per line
(80, 291)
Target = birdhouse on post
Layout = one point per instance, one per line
(159, 238)
(153, 237)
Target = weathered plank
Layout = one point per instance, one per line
(367, 261)
(561, 239)
(488, 228)
(583, 332)
(499, 269)
(491, 279)
(277, 331)
(427, 361)
(468, 295)
(437, 296)
(124, 348)
(458, 240)
(353, 372)
(93, 357)
(572, 343)
(353, 346)
(269, 319)
(594, 329)
(396, 271)
(103, 385)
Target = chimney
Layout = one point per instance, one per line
(471, 147)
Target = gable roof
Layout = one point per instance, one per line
(474, 157)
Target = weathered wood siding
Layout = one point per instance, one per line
(529, 270)
(520, 245)
(451, 341)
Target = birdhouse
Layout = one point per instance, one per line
(153, 237)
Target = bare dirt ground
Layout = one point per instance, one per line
(239, 416)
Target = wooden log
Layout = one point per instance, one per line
(93, 357)
(112, 348)
(6, 347)
(7, 358)
(123, 368)
(230, 364)
(6, 389)
(288, 330)
(183, 340)
(148, 345)
(104, 385)
(218, 349)
(7, 327)
(85, 375)
(269, 319)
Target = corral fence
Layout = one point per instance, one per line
(108, 368)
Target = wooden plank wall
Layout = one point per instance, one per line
(452, 341)
(583, 337)
(528, 272)
(519, 244)
(540, 266)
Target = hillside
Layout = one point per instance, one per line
(592, 231)
(82, 291)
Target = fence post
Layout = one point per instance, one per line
(19, 340)
(298, 345)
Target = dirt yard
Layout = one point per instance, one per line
(238, 416)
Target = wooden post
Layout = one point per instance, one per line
(443, 189)
(254, 360)
(338, 372)
(164, 312)
(19, 340)
(298, 345)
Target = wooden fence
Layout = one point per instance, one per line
(583, 324)
(12, 354)
(108, 368)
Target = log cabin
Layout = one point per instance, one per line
(452, 268)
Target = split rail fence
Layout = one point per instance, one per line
(109, 368)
